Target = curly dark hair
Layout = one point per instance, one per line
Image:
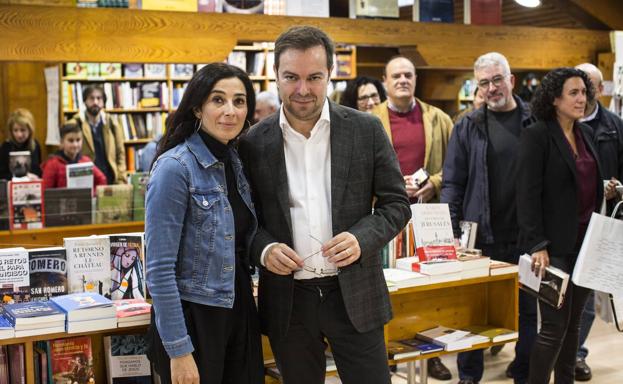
(349, 97)
(551, 88)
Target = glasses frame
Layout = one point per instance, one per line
(496, 80)
(314, 270)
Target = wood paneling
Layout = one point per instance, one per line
(610, 12)
(73, 34)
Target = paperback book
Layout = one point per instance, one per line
(32, 314)
(26, 209)
(114, 203)
(550, 288)
(127, 266)
(48, 273)
(126, 359)
(434, 239)
(85, 306)
(14, 275)
(79, 175)
(139, 181)
(72, 360)
(450, 339)
(68, 206)
(424, 347)
(398, 351)
(19, 163)
(88, 264)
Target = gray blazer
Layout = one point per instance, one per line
(363, 167)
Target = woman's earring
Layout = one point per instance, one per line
(198, 125)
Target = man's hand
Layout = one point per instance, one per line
(411, 187)
(427, 192)
(342, 250)
(540, 261)
(610, 191)
(184, 370)
(282, 260)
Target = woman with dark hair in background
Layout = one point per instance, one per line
(558, 187)
(199, 223)
(363, 93)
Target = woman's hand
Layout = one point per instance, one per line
(184, 370)
(540, 261)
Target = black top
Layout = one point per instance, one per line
(7, 147)
(242, 215)
(101, 160)
(503, 130)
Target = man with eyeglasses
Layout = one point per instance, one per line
(479, 186)
(317, 170)
(418, 131)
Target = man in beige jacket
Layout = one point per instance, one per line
(418, 131)
(103, 138)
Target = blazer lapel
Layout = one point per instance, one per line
(88, 136)
(563, 146)
(341, 151)
(276, 173)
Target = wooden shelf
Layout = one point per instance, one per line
(60, 335)
(138, 141)
(111, 79)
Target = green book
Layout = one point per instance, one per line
(493, 333)
(138, 181)
(114, 204)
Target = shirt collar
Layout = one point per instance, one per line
(394, 109)
(325, 117)
(592, 116)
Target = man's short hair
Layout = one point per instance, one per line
(92, 88)
(267, 97)
(589, 68)
(70, 128)
(492, 58)
(302, 38)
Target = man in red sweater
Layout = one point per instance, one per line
(54, 169)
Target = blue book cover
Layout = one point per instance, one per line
(439, 11)
(81, 300)
(32, 312)
(423, 346)
(4, 323)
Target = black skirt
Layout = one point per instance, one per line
(227, 341)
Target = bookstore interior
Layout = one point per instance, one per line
(73, 255)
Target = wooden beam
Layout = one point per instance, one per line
(39, 33)
(610, 12)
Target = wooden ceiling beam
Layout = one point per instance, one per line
(39, 33)
(609, 12)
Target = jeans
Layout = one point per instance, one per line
(556, 345)
(588, 316)
(471, 364)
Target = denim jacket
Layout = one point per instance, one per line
(189, 232)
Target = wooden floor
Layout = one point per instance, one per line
(605, 344)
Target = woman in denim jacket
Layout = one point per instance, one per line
(199, 224)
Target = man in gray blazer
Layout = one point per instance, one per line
(317, 170)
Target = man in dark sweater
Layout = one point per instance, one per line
(608, 140)
(479, 185)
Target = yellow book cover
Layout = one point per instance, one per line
(170, 5)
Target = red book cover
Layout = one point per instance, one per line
(131, 307)
(26, 209)
(486, 12)
(72, 360)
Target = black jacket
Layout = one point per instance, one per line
(608, 141)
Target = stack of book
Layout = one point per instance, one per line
(6, 329)
(450, 339)
(35, 318)
(87, 311)
(502, 268)
(473, 264)
(132, 312)
(398, 278)
(438, 271)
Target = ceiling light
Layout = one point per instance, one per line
(529, 3)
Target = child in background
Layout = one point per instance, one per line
(20, 137)
(54, 169)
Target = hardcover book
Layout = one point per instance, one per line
(85, 306)
(48, 273)
(397, 350)
(68, 206)
(139, 181)
(26, 209)
(114, 203)
(423, 346)
(434, 239)
(438, 11)
(550, 288)
(19, 163)
(14, 275)
(126, 359)
(88, 264)
(72, 360)
(450, 339)
(26, 315)
(482, 12)
(127, 266)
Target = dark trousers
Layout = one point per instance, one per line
(227, 342)
(471, 364)
(318, 313)
(588, 316)
(557, 343)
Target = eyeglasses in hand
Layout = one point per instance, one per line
(320, 272)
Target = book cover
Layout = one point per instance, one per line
(181, 70)
(68, 206)
(127, 266)
(246, 6)
(139, 181)
(6, 332)
(493, 333)
(48, 273)
(482, 12)
(4, 365)
(133, 71)
(88, 264)
(170, 5)
(434, 239)
(550, 288)
(449, 338)
(21, 315)
(114, 203)
(469, 230)
(132, 308)
(4, 205)
(14, 275)
(210, 6)
(79, 175)
(438, 11)
(155, 70)
(17, 366)
(26, 209)
(19, 163)
(72, 360)
(126, 359)
(386, 9)
(150, 94)
(76, 70)
(432, 267)
(110, 70)
(398, 351)
(423, 346)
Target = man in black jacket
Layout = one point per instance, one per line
(479, 185)
(607, 129)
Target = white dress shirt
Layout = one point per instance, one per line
(308, 167)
